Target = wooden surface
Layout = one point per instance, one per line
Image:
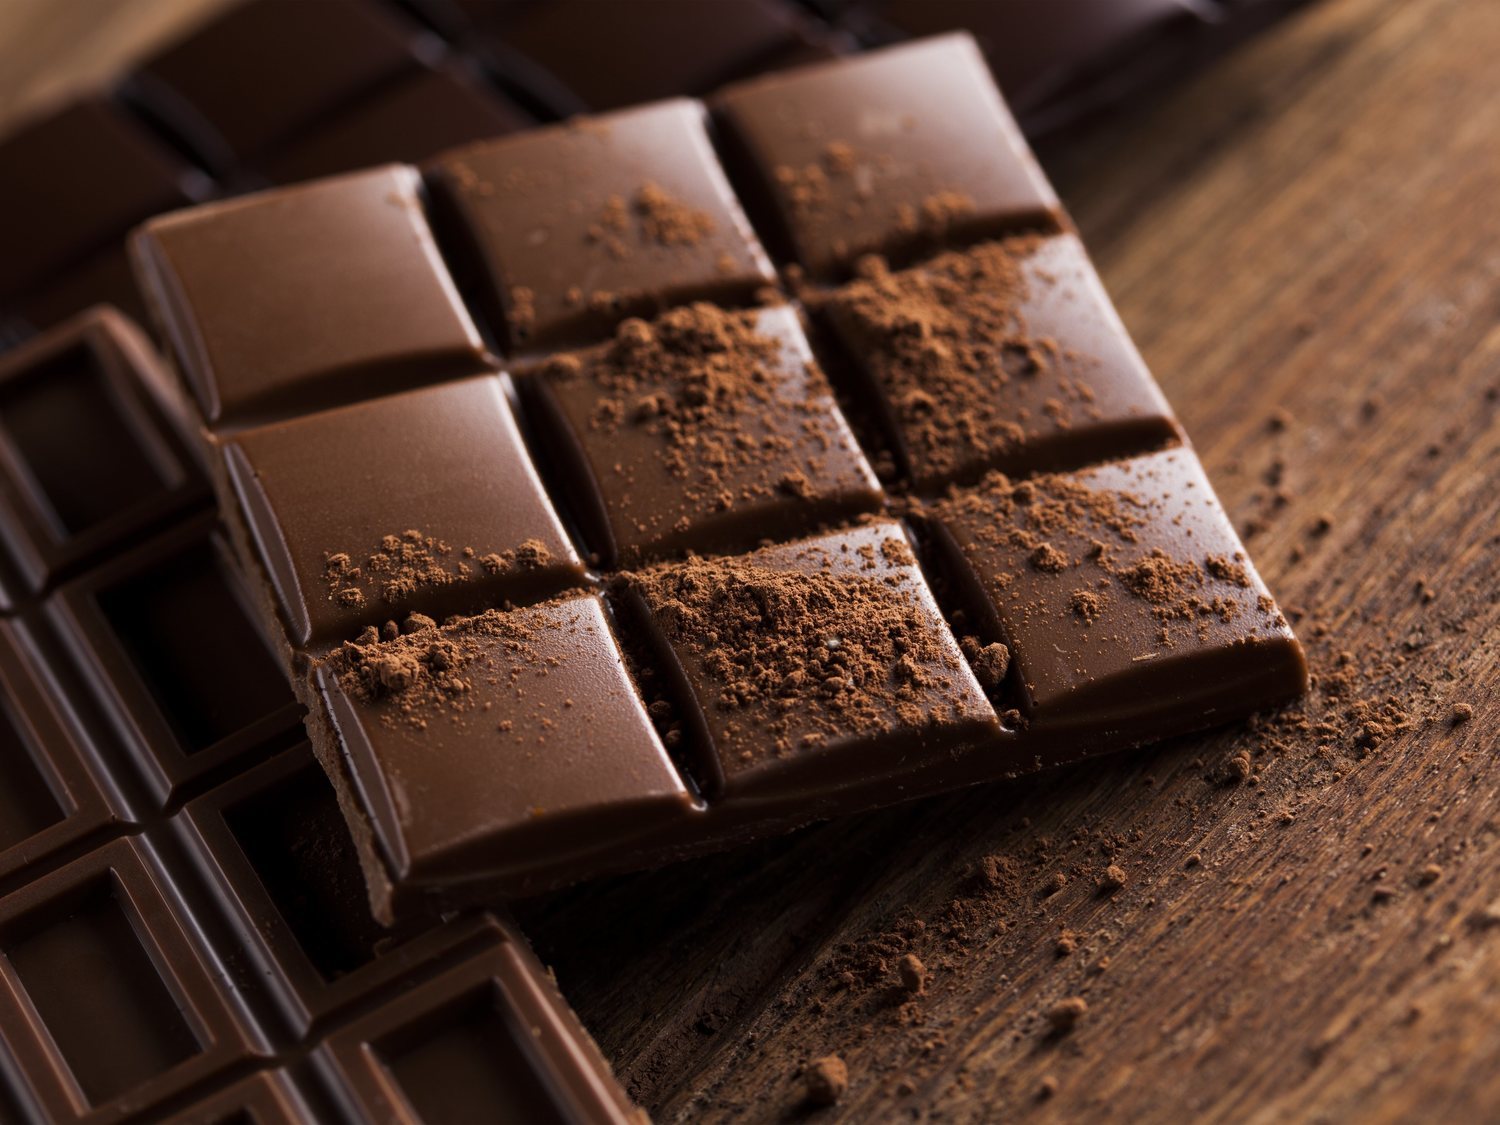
(1306, 244)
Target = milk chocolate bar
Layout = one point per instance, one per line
(633, 553)
(185, 932)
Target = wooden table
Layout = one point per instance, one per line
(1306, 245)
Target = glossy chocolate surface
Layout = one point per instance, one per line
(1021, 363)
(896, 151)
(481, 744)
(701, 431)
(854, 675)
(1124, 595)
(289, 300)
(425, 501)
(566, 231)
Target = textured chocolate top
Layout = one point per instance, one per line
(570, 229)
(420, 500)
(476, 743)
(1120, 590)
(818, 663)
(1008, 355)
(703, 429)
(895, 151)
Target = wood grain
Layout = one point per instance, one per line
(1311, 228)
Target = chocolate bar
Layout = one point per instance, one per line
(345, 84)
(184, 926)
(908, 529)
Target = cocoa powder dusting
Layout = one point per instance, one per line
(739, 417)
(806, 657)
(410, 562)
(944, 340)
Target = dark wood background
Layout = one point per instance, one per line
(1306, 244)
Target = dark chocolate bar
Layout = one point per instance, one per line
(764, 637)
(343, 84)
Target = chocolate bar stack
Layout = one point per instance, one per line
(271, 92)
(581, 499)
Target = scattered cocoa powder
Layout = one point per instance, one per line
(813, 656)
(739, 416)
(407, 563)
(944, 340)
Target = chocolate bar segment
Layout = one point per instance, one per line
(166, 638)
(486, 745)
(105, 278)
(705, 430)
(1008, 355)
(306, 297)
(1038, 50)
(813, 666)
(893, 153)
(107, 1006)
(490, 1040)
(628, 51)
(283, 871)
(1124, 596)
(423, 501)
(92, 446)
(260, 71)
(81, 177)
(416, 117)
(271, 1098)
(50, 794)
(568, 230)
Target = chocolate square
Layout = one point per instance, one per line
(167, 640)
(306, 296)
(419, 502)
(417, 116)
(630, 51)
(284, 875)
(479, 745)
(489, 1040)
(812, 666)
(894, 152)
(269, 1098)
(50, 798)
(255, 74)
(93, 449)
(568, 230)
(1124, 596)
(107, 1004)
(76, 180)
(703, 430)
(1008, 355)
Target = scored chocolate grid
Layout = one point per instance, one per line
(905, 496)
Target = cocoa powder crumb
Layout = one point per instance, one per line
(1113, 879)
(913, 973)
(991, 665)
(1063, 1016)
(1461, 714)
(944, 339)
(826, 1080)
